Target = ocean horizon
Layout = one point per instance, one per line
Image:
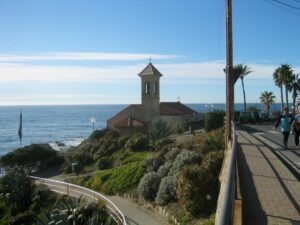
(70, 124)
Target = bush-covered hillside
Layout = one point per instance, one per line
(168, 174)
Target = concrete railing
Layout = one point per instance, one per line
(226, 199)
(77, 191)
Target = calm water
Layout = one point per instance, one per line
(66, 124)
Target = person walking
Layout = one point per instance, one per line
(285, 120)
(296, 126)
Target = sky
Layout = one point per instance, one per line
(55, 52)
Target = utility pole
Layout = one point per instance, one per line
(229, 71)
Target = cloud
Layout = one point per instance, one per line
(84, 56)
(190, 72)
(63, 99)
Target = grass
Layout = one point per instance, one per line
(120, 179)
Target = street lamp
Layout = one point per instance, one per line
(93, 121)
(209, 107)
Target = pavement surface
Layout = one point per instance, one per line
(133, 212)
(270, 191)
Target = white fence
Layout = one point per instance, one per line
(77, 191)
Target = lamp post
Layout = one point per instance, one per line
(209, 107)
(93, 121)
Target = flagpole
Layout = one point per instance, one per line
(20, 128)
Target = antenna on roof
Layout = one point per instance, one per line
(178, 99)
(150, 59)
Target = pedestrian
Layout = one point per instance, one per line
(285, 120)
(296, 126)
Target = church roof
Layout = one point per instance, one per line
(129, 122)
(175, 108)
(150, 70)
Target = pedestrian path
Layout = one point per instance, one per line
(270, 192)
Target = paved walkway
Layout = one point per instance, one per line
(270, 192)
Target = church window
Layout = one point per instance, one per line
(147, 88)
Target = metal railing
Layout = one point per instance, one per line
(77, 191)
(226, 199)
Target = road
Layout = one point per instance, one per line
(134, 213)
(273, 139)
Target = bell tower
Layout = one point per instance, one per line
(150, 89)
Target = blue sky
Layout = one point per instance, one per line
(90, 51)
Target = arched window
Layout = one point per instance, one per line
(147, 88)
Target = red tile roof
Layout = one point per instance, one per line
(129, 122)
(175, 108)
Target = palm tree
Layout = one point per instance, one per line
(240, 71)
(267, 98)
(287, 72)
(283, 77)
(295, 88)
(277, 77)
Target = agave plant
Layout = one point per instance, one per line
(158, 131)
(72, 211)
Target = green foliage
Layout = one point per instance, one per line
(197, 186)
(158, 131)
(104, 163)
(98, 134)
(24, 218)
(214, 141)
(214, 120)
(209, 221)
(19, 189)
(164, 169)
(115, 180)
(137, 142)
(148, 186)
(69, 210)
(153, 162)
(29, 156)
(166, 191)
(184, 158)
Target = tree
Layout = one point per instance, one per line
(267, 98)
(240, 71)
(295, 88)
(283, 77)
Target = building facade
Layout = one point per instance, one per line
(136, 117)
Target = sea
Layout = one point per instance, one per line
(65, 126)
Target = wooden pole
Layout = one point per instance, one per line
(229, 71)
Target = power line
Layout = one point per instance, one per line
(287, 5)
(283, 7)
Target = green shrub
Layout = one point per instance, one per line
(24, 218)
(166, 191)
(172, 154)
(214, 141)
(148, 186)
(29, 156)
(164, 169)
(214, 120)
(153, 162)
(103, 163)
(209, 221)
(185, 157)
(197, 186)
(137, 142)
(98, 134)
